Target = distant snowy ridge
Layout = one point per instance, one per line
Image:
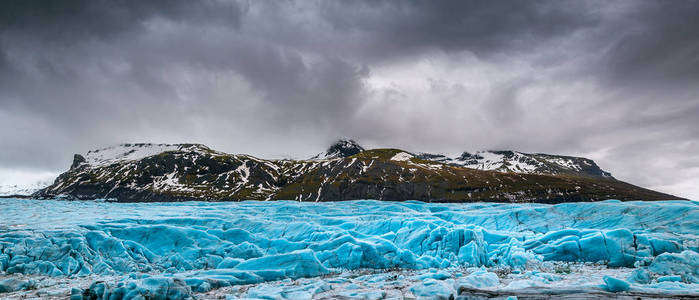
(22, 189)
(346, 171)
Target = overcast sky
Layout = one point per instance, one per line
(615, 81)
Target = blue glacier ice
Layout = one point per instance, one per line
(478, 279)
(615, 284)
(180, 249)
(431, 288)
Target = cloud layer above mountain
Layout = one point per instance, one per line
(613, 81)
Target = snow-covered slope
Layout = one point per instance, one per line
(133, 152)
(518, 162)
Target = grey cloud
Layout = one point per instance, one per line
(656, 44)
(284, 78)
(65, 21)
(121, 87)
(482, 27)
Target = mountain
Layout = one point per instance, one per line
(181, 172)
(502, 161)
(518, 162)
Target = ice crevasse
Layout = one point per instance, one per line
(182, 248)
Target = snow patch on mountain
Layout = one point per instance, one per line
(132, 152)
(402, 156)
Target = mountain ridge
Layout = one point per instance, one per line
(520, 162)
(347, 171)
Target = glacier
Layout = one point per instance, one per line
(362, 249)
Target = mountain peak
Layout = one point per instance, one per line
(341, 148)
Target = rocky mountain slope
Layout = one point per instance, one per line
(163, 172)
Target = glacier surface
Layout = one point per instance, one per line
(352, 249)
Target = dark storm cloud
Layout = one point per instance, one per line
(105, 74)
(613, 80)
(65, 21)
(483, 27)
(657, 44)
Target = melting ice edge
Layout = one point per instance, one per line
(354, 249)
